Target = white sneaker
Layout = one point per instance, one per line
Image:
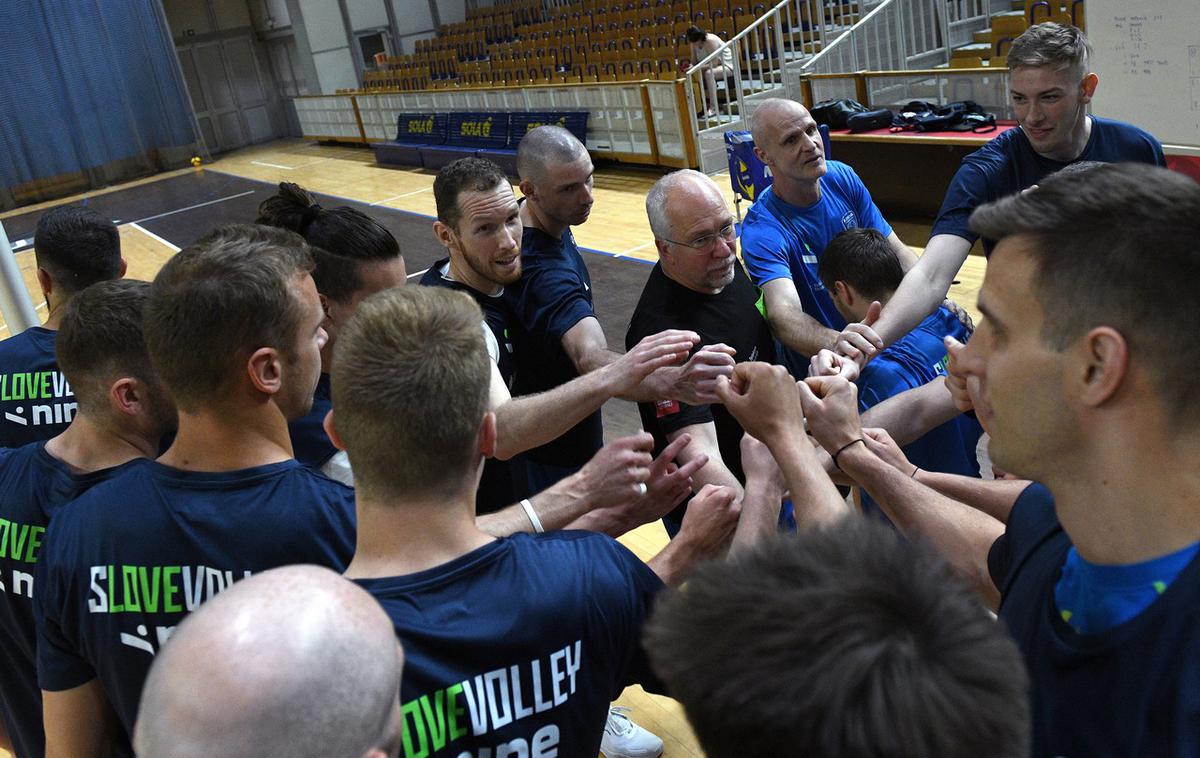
(625, 739)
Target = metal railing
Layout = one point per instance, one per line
(762, 60)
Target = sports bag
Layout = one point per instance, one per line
(835, 113)
(869, 121)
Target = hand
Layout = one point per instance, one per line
(764, 400)
(667, 348)
(831, 407)
(961, 314)
(697, 380)
(709, 522)
(759, 465)
(829, 363)
(618, 472)
(666, 487)
(956, 380)
(859, 342)
(880, 443)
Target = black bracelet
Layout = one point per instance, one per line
(842, 449)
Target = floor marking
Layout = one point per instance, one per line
(410, 276)
(406, 194)
(193, 207)
(152, 235)
(634, 249)
(20, 245)
(273, 165)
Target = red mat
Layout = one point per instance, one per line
(982, 137)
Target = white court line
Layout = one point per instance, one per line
(406, 194)
(410, 276)
(274, 165)
(193, 207)
(634, 249)
(152, 235)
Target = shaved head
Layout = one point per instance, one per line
(769, 112)
(546, 146)
(296, 661)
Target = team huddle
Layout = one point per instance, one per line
(278, 502)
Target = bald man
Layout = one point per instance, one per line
(559, 334)
(698, 285)
(810, 202)
(297, 662)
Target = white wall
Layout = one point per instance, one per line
(335, 70)
(452, 11)
(412, 16)
(367, 14)
(268, 15)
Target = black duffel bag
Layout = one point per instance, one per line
(835, 113)
(869, 121)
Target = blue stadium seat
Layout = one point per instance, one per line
(520, 124)
(413, 130)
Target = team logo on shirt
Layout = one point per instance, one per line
(850, 220)
(141, 590)
(492, 701)
(19, 543)
(41, 394)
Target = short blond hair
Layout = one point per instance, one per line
(410, 389)
(1060, 46)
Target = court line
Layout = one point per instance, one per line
(397, 197)
(193, 207)
(274, 165)
(634, 249)
(410, 276)
(152, 235)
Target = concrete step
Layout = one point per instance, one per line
(974, 50)
(983, 37)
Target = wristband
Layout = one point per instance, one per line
(533, 517)
(913, 475)
(842, 449)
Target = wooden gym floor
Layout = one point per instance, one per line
(159, 215)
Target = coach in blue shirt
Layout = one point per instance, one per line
(1051, 86)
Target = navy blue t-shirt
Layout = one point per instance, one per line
(310, 443)
(912, 361)
(134, 555)
(503, 482)
(553, 294)
(36, 401)
(1130, 690)
(1009, 164)
(33, 485)
(524, 640)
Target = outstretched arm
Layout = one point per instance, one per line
(960, 533)
(924, 286)
(798, 331)
(524, 422)
(691, 383)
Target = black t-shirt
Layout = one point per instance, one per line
(1130, 690)
(553, 294)
(503, 482)
(732, 317)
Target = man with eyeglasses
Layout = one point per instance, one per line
(698, 284)
(810, 202)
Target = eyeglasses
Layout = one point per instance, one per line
(729, 233)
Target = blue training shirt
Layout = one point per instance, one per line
(36, 401)
(553, 294)
(134, 555)
(914, 360)
(310, 442)
(519, 645)
(782, 241)
(1133, 689)
(33, 486)
(1009, 164)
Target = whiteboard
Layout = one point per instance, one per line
(1147, 55)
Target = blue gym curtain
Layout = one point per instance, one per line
(90, 94)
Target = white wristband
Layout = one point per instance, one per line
(533, 517)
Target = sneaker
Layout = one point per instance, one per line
(625, 739)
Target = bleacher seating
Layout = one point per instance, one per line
(432, 141)
(522, 43)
